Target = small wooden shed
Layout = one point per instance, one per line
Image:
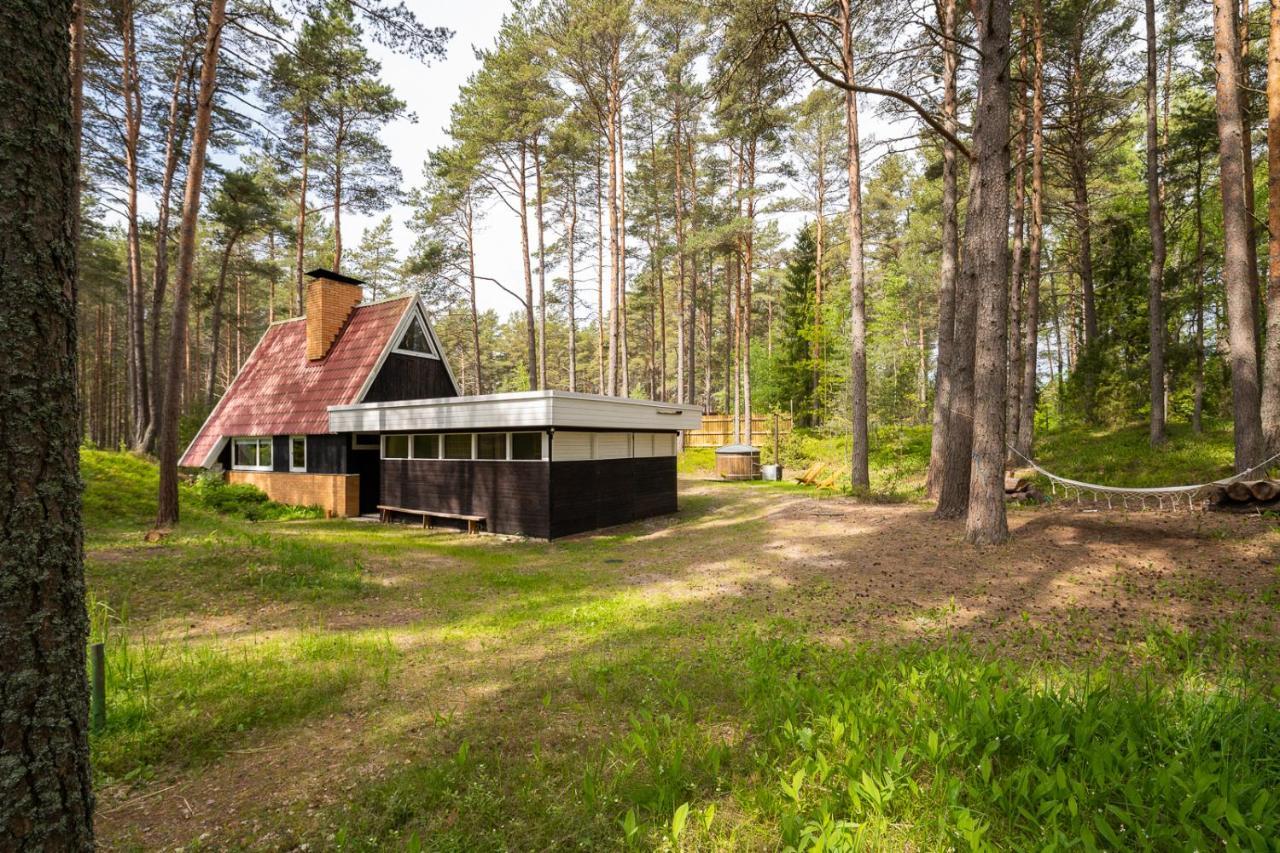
(738, 462)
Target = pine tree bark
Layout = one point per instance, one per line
(130, 90)
(542, 264)
(1155, 222)
(859, 470)
(1271, 353)
(175, 134)
(167, 511)
(1031, 313)
(46, 792)
(942, 398)
(1022, 135)
(572, 239)
(1241, 316)
(986, 270)
(471, 281)
(530, 325)
(300, 239)
(1197, 410)
(215, 323)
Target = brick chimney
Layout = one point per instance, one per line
(331, 298)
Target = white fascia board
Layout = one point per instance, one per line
(520, 410)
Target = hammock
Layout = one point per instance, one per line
(1173, 493)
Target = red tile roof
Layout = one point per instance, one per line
(280, 392)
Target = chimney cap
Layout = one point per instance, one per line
(321, 272)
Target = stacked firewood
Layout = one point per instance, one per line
(1244, 495)
(1021, 489)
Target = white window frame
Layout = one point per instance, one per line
(408, 450)
(375, 445)
(258, 440)
(295, 469)
(506, 447)
(422, 327)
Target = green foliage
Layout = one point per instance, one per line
(942, 748)
(242, 500)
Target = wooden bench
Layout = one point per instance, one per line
(473, 521)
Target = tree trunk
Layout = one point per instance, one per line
(1155, 222)
(1013, 407)
(46, 789)
(215, 324)
(986, 270)
(1198, 390)
(600, 319)
(471, 279)
(131, 92)
(682, 333)
(339, 138)
(859, 471)
(942, 401)
(167, 512)
(624, 355)
(748, 270)
(1241, 318)
(174, 135)
(531, 336)
(542, 266)
(1271, 354)
(1031, 315)
(573, 251)
(300, 245)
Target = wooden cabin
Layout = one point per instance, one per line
(354, 407)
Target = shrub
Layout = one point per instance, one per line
(245, 501)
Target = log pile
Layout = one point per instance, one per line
(1245, 495)
(1021, 490)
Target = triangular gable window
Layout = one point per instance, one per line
(415, 339)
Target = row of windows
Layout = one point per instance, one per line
(518, 446)
(254, 454)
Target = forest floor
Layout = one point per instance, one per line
(769, 667)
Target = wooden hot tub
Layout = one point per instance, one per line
(738, 462)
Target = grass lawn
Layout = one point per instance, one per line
(771, 668)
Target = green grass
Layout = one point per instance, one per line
(595, 693)
(1124, 456)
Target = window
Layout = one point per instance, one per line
(297, 453)
(395, 447)
(364, 441)
(491, 445)
(526, 445)
(415, 340)
(252, 454)
(457, 446)
(426, 447)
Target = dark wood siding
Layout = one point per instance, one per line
(408, 377)
(327, 454)
(512, 496)
(599, 493)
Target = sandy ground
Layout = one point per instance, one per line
(1072, 582)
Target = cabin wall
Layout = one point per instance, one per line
(410, 377)
(589, 494)
(512, 496)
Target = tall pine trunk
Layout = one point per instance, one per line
(1271, 354)
(530, 325)
(300, 239)
(1241, 316)
(859, 471)
(1013, 408)
(1155, 222)
(986, 270)
(1031, 313)
(167, 511)
(130, 89)
(542, 265)
(46, 788)
(942, 401)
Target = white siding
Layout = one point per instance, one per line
(642, 444)
(571, 446)
(613, 445)
(664, 444)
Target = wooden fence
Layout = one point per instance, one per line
(717, 430)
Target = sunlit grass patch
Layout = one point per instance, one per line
(186, 701)
(1124, 456)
